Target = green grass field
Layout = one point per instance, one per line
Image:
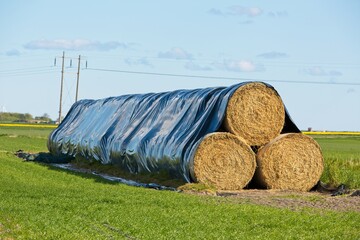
(41, 202)
(342, 159)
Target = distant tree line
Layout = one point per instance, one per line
(24, 117)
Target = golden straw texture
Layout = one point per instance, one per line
(291, 161)
(225, 161)
(256, 113)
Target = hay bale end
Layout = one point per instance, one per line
(255, 112)
(224, 161)
(291, 161)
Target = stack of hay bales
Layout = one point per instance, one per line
(255, 117)
(224, 137)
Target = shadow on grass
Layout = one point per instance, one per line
(87, 174)
(88, 170)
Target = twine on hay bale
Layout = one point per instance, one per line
(291, 161)
(256, 113)
(224, 161)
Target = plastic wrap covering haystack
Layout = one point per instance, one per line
(156, 131)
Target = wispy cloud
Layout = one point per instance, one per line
(273, 55)
(12, 52)
(277, 14)
(249, 12)
(217, 12)
(139, 61)
(246, 22)
(240, 66)
(73, 45)
(351, 90)
(319, 71)
(197, 67)
(237, 10)
(176, 53)
(245, 11)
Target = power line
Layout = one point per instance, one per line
(221, 77)
(261, 61)
(24, 69)
(26, 73)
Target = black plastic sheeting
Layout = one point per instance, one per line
(145, 132)
(115, 179)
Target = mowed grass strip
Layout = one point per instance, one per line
(41, 202)
(28, 125)
(336, 133)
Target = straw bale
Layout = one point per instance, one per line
(256, 113)
(223, 160)
(291, 161)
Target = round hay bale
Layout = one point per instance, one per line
(223, 160)
(291, 161)
(256, 113)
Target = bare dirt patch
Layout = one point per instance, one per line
(295, 200)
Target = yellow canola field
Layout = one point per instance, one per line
(55, 126)
(331, 133)
(28, 125)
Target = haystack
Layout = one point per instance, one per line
(223, 160)
(291, 161)
(256, 113)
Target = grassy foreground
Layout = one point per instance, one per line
(41, 202)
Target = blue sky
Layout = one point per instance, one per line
(308, 50)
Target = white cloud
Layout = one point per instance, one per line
(319, 71)
(273, 55)
(240, 66)
(250, 12)
(237, 11)
(243, 66)
(245, 11)
(12, 52)
(196, 67)
(73, 45)
(176, 53)
(139, 61)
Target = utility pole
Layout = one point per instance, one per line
(77, 80)
(62, 80)
(62, 85)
